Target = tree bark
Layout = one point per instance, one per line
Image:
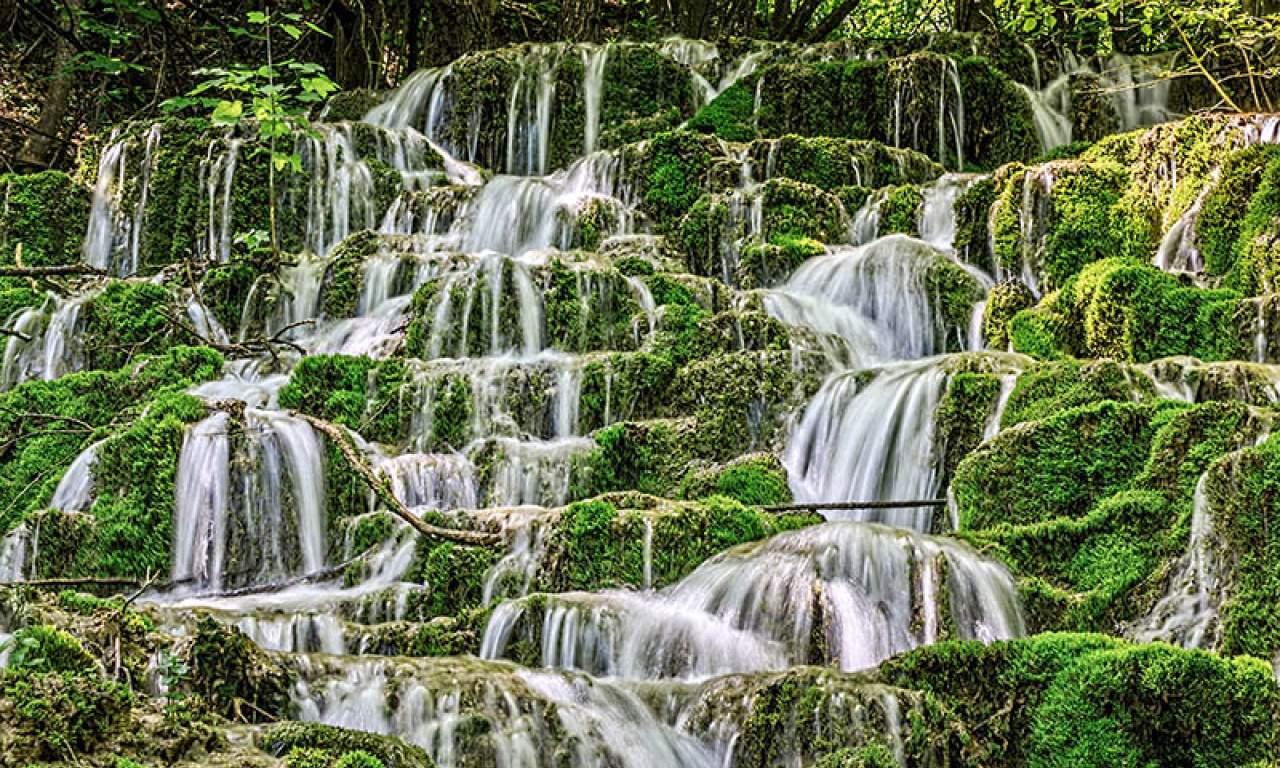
(975, 15)
(580, 20)
(39, 146)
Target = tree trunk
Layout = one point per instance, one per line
(39, 146)
(580, 20)
(975, 15)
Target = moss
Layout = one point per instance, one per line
(640, 81)
(1004, 301)
(674, 166)
(125, 320)
(731, 114)
(772, 263)
(972, 211)
(810, 98)
(599, 543)
(1116, 308)
(44, 648)
(234, 677)
(1084, 700)
(1243, 496)
(453, 573)
(344, 275)
(280, 738)
(47, 213)
(1050, 389)
(1156, 705)
(1057, 467)
(900, 210)
(793, 209)
(962, 415)
(756, 479)
(357, 392)
(835, 163)
(1236, 217)
(35, 457)
(50, 715)
(955, 292)
(135, 474)
(225, 290)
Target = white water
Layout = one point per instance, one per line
(871, 440)
(868, 591)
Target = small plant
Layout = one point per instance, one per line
(276, 95)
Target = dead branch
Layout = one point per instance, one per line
(378, 484)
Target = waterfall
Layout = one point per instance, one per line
(885, 282)
(870, 440)
(75, 490)
(937, 219)
(100, 241)
(259, 504)
(433, 481)
(16, 555)
(593, 63)
(202, 493)
(1187, 615)
(1179, 251)
(868, 592)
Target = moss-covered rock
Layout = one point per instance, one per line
(1058, 700)
(281, 738)
(1054, 468)
(47, 213)
(232, 675)
(751, 479)
(1005, 300)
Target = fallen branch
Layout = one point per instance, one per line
(821, 505)
(324, 574)
(105, 581)
(378, 484)
(54, 271)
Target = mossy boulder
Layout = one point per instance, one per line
(280, 739)
(47, 213)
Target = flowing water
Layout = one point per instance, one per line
(636, 677)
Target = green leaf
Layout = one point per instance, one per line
(1030, 24)
(257, 17)
(291, 31)
(317, 30)
(228, 112)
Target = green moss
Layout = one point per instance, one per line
(44, 648)
(810, 99)
(973, 214)
(1116, 308)
(793, 209)
(640, 81)
(135, 475)
(674, 167)
(454, 574)
(357, 392)
(1057, 467)
(1050, 389)
(962, 415)
(756, 479)
(280, 738)
(900, 210)
(344, 275)
(225, 289)
(1090, 700)
(50, 715)
(97, 403)
(1243, 492)
(125, 320)
(731, 114)
(1003, 302)
(47, 213)
(1156, 705)
(235, 678)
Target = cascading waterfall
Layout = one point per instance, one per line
(1187, 615)
(862, 592)
(256, 518)
(884, 282)
(870, 440)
